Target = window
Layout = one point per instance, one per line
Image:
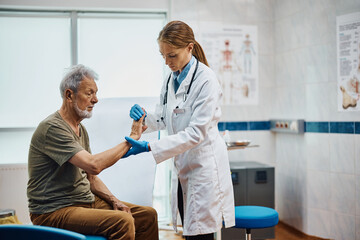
(124, 51)
(36, 47)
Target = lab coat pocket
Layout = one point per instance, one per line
(181, 118)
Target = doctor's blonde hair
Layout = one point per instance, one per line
(179, 35)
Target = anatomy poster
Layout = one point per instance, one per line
(232, 53)
(348, 61)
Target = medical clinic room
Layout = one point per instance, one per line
(180, 120)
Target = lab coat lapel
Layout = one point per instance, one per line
(172, 102)
(185, 84)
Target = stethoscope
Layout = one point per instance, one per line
(185, 94)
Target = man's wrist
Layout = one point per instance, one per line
(134, 136)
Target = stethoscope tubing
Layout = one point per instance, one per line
(191, 82)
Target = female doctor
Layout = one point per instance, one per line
(189, 109)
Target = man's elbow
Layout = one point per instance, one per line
(94, 168)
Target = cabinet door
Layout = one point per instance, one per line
(260, 188)
(260, 192)
(239, 182)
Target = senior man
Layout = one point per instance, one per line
(63, 189)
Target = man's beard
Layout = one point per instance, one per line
(82, 113)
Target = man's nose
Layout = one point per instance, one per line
(95, 99)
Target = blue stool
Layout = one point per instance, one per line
(251, 217)
(35, 232)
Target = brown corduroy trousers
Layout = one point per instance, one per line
(99, 218)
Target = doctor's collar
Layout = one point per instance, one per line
(181, 76)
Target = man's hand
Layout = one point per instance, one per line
(118, 205)
(138, 128)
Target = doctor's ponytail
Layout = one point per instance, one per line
(179, 35)
(199, 53)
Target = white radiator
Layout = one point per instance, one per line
(13, 182)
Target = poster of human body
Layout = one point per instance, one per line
(348, 61)
(233, 54)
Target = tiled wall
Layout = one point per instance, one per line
(318, 176)
(317, 173)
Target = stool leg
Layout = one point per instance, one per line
(248, 234)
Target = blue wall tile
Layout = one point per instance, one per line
(317, 127)
(259, 125)
(236, 126)
(342, 127)
(357, 127)
(221, 126)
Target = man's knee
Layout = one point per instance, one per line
(121, 226)
(151, 213)
(124, 220)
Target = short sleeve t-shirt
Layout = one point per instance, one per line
(55, 183)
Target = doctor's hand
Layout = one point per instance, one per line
(137, 147)
(136, 112)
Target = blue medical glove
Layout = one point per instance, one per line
(137, 147)
(136, 112)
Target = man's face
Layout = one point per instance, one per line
(85, 98)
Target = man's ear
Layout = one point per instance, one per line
(69, 94)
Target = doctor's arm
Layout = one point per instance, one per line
(203, 112)
(204, 108)
(99, 189)
(155, 120)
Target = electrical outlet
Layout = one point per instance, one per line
(287, 126)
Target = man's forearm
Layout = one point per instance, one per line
(98, 188)
(110, 157)
(94, 164)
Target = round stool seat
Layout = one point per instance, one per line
(255, 217)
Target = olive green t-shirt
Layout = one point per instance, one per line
(55, 183)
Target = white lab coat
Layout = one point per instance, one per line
(200, 155)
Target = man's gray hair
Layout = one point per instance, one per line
(73, 77)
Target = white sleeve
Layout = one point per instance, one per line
(154, 120)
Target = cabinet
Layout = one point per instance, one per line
(254, 184)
